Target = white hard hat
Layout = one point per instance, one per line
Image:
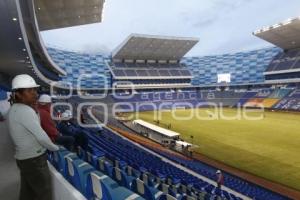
(66, 114)
(23, 81)
(69, 112)
(45, 98)
(218, 172)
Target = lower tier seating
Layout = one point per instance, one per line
(126, 163)
(149, 176)
(93, 184)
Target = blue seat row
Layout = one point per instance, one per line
(114, 148)
(117, 149)
(93, 184)
(142, 183)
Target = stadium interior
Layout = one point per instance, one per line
(146, 156)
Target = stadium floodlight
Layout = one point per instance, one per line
(276, 25)
(14, 19)
(266, 28)
(257, 32)
(288, 21)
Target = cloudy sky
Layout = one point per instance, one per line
(223, 26)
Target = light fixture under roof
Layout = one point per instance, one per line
(23, 49)
(258, 31)
(19, 38)
(288, 21)
(14, 19)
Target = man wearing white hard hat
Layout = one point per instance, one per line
(220, 178)
(44, 107)
(30, 140)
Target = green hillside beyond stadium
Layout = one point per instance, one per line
(269, 148)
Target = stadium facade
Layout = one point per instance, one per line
(244, 67)
(76, 64)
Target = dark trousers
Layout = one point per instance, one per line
(66, 141)
(82, 140)
(36, 181)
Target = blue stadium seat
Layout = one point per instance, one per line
(78, 172)
(185, 189)
(148, 180)
(167, 197)
(100, 186)
(59, 160)
(94, 158)
(82, 154)
(132, 172)
(120, 164)
(105, 166)
(145, 191)
(121, 177)
(172, 180)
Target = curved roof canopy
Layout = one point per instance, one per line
(22, 50)
(285, 35)
(53, 14)
(149, 47)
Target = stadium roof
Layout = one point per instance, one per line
(149, 47)
(65, 13)
(157, 129)
(22, 49)
(285, 35)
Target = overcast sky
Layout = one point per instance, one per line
(223, 26)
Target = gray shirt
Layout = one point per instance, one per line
(29, 138)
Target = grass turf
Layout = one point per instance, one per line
(269, 148)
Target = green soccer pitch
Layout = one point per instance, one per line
(268, 148)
